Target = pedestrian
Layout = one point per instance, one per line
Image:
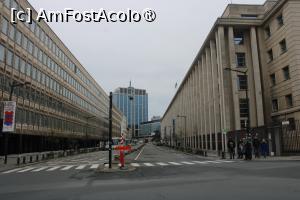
(240, 149)
(256, 145)
(248, 149)
(264, 148)
(231, 148)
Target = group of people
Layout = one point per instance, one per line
(246, 147)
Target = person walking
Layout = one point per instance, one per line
(248, 149)
(264, 148)
(240, 149)
(256, 145)
(231, 148)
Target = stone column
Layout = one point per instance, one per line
(209, 99)
(257, 79)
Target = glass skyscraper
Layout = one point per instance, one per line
(134, 105)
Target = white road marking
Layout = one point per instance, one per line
(39, 169)
(175, 163)
(135, 164)
(200, 162)
(13, 170)
(148, 164)
(225, 161)
(162, 164)
(217, 162)
(188, 163)
(94, 166)
(26, 170)
(53, 168)
(137, 157)
(67, 167)
(81, 167)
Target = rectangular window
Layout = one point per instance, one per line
(273, 79)
(286, 73)
(280, 20)
(249, 16)
(289, 101)
(239, 38)
(4, 26)
(28, 69)
(270, 55)
(268, 31)
(18, 37)
(22, 66)
(244, 108)
(242, 82)
(30, 47)
(24, 42)
(12, 30)
(241, 59)
(17, 62)
(35, 51)
(275, 105)
(2, 53)
(9, 58)
(283, 46)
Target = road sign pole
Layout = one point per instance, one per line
(110, 130)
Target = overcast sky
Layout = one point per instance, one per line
(153, 55)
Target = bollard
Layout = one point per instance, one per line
(18, 160)
(205, 153)
(43, 156)
(24, 159)
(30, 159)
(37, 158)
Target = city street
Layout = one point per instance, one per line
(160, 173)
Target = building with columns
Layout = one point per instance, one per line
(251, 51)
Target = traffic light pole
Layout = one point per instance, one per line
(110, 130)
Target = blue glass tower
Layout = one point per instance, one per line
(134, 104)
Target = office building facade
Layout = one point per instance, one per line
(150, 128)
(252, 50)
(134, 104)
(61, 106)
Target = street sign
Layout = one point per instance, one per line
(123, 148)
(286, 123)
(9, 116)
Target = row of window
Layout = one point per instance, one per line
(280, 23)
(283, 49)
(50, 44)
(42, 57)
(26, 68)
(288, 102)
(286, 75)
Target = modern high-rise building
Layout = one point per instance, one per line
(59, 104)
(134, 104)
(251, 51)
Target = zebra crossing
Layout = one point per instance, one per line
(63, 168)
(52, 168)
(181, 163)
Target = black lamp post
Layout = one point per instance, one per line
(13, 85)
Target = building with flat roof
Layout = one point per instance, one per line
(251, 51)
(134, 104)
(62, 106)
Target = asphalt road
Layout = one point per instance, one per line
(160, 173)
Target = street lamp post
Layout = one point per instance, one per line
(110, 130)
(13, 85)
(183, 116)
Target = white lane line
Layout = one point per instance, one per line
(225, 161)
(216, 162)
(137, 157)
(188, 163)
(148, 164)
(67, 167)
(94, 166)
(39, 169)
(162, 164)
(81, 167)
(200, 162)
(175, 163)
(13, 170)
(53, 168)
(26, 170)
(135, 164)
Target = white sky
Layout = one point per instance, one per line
(153, 55)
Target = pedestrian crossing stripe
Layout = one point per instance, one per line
(95, 166)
